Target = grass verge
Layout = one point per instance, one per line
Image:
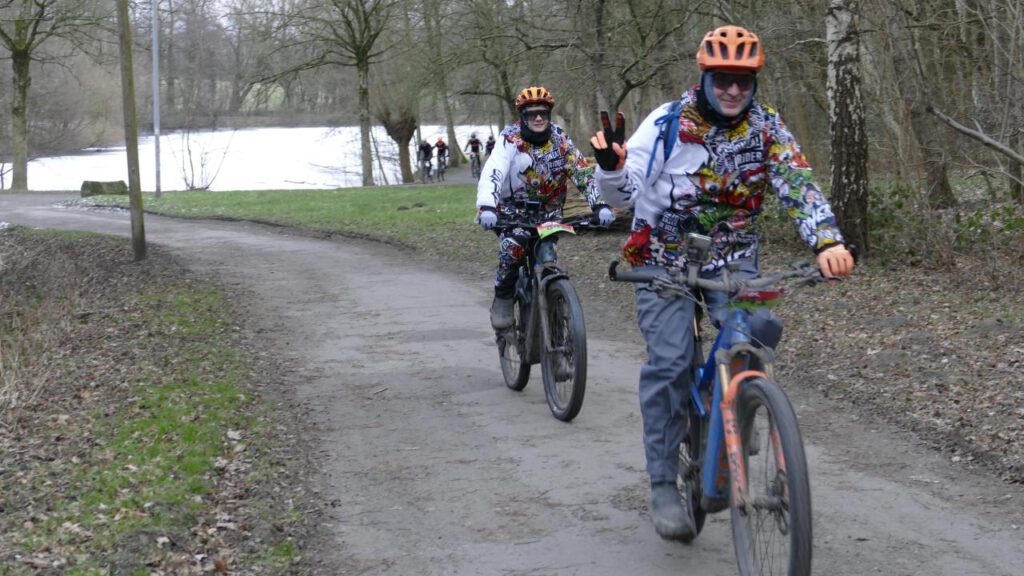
(396, 214)
(132, 424)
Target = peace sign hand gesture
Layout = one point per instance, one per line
(610, 145)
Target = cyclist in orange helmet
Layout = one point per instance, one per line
(530, 168)
(442, 148)
(703, 164)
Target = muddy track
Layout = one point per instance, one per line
(429, 465)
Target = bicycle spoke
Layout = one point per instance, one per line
(564, 358)
(774, 535)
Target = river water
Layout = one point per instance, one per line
(249, 159)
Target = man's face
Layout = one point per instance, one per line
(732, 90)
(537, 117)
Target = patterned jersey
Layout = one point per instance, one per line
(518, 172)
(713, 183)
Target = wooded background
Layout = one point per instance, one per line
(920, 99)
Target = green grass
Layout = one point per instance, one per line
(153, 458)
(398, 213)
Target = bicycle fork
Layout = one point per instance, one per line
(542, 300)
(725, 433)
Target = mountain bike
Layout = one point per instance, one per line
(548, 325)
(425, 168)
(743, 450)
(442, 165)
(474, 164)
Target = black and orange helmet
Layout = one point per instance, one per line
(732, 48)
(534, 95)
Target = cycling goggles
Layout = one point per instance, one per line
(724, 81)
(528, 115)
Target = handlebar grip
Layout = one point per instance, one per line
(637, 276)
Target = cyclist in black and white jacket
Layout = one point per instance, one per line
(533, 161)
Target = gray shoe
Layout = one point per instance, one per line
(671, 520)
(501, 313)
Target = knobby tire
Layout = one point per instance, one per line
(511, 350)
(774, 536)
(691, 454)
(565, 371)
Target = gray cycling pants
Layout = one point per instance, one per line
(667, 326)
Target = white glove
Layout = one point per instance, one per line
(605, 216)
(487, 218)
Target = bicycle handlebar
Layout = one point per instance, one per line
(668, 277)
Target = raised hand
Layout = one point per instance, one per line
(610, 144)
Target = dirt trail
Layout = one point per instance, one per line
(431, 466)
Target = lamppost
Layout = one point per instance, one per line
(156, 92)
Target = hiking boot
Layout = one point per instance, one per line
(671, 519)
(501, 313)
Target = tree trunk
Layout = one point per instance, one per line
(914, 88)
(364, 121)
(436, 38)
(400, 125)
(20, 61)
(849, 145)
(131, 131)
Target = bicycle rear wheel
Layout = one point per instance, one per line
(512, 350)
(774, 536)
(565, 367)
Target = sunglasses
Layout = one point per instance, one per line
(723, 81)
(530, 114)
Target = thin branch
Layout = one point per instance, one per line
(977, 135)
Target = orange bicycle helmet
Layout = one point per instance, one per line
(731, 48)
(534, 95)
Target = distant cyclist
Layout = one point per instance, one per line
(473, 146)
(442, 157)
(426, 153)
(490, 145)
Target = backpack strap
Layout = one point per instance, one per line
(669, 123)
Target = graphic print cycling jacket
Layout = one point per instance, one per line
(518, 171)
(713, 183)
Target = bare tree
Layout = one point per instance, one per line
(346, 33)
(918, 80)
(441, 53)
(25, 26)
(846, 116)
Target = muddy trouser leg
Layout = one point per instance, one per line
(510, 258)
(667, 325)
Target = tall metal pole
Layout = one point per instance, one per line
(156, 92)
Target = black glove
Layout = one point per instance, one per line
(603, 142)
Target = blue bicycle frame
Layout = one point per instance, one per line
(735, 332)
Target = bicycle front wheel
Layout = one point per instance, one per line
(773, 537)
(564, 367)
(512, 350)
